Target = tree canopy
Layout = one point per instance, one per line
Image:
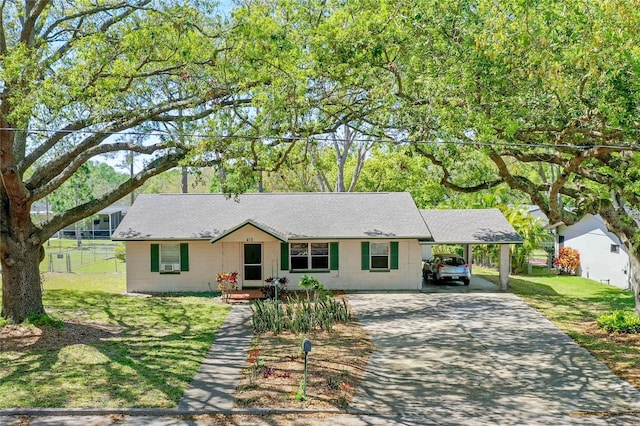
(541, 97)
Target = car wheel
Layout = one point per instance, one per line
(465, 281)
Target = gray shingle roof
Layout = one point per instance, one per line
(291, 215)
(473, 226)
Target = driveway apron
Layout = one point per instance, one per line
(459, 356)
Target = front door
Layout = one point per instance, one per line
(252, 265)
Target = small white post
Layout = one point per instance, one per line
(505, 266)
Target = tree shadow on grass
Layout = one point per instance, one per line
(117, 351)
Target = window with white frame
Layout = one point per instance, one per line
(170, 257)
(379, 253)
(309, 256)
(615, 248)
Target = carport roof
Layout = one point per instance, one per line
(474, 226)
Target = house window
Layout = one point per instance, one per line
(105, 219)
(309, 256)
(615, 248)
(379, 255)
(170, 258)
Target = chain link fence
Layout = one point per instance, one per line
(90, 257)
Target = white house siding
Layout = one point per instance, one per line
(350, 276)
(593, 241)
(204, 262)
(206, 259)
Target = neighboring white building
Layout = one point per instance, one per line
(602, 256)
(349, 241)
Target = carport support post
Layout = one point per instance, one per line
(505, 266)
(468, 255)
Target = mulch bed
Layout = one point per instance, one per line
(275, 368)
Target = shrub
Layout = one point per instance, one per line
(299, 315)
(272, 284)
(568, 260)
(309, 283)
(121, 252)
(620, 321)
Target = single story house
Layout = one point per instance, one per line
(349, 241)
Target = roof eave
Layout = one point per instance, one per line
(280, 237)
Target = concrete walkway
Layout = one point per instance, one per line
(213, 385)
(481, 357)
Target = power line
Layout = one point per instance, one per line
(293, 139)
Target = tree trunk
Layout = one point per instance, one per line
(634, 276)
(21, 285)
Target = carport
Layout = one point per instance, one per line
(473, 226)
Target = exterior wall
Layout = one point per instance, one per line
(593, 241)
(226, 255)
(350, 276)
(203, 266)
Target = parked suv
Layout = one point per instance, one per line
(446, 267)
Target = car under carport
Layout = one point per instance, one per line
(468, 227)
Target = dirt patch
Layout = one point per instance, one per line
(624, 363)
(18, 337)
(275, 369)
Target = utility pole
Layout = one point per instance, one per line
(131, 174)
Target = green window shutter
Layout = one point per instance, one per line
(365, 256)
(184, 256)
(284, 256)
(155, 257)
(394, 255)
(335, 256)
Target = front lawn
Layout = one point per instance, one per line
(113, 351)
(573, 304)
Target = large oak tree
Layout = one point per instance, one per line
(540, 96)
(84, 79)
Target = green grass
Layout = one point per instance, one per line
(148, 363)
(565, 299)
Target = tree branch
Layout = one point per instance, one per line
(59, 52)
(67, 172)
(33, 9)
(53, 168)
(73, 215)
(3, 36)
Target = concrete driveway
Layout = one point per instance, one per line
(472, 355)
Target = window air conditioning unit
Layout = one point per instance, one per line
(169, 267)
